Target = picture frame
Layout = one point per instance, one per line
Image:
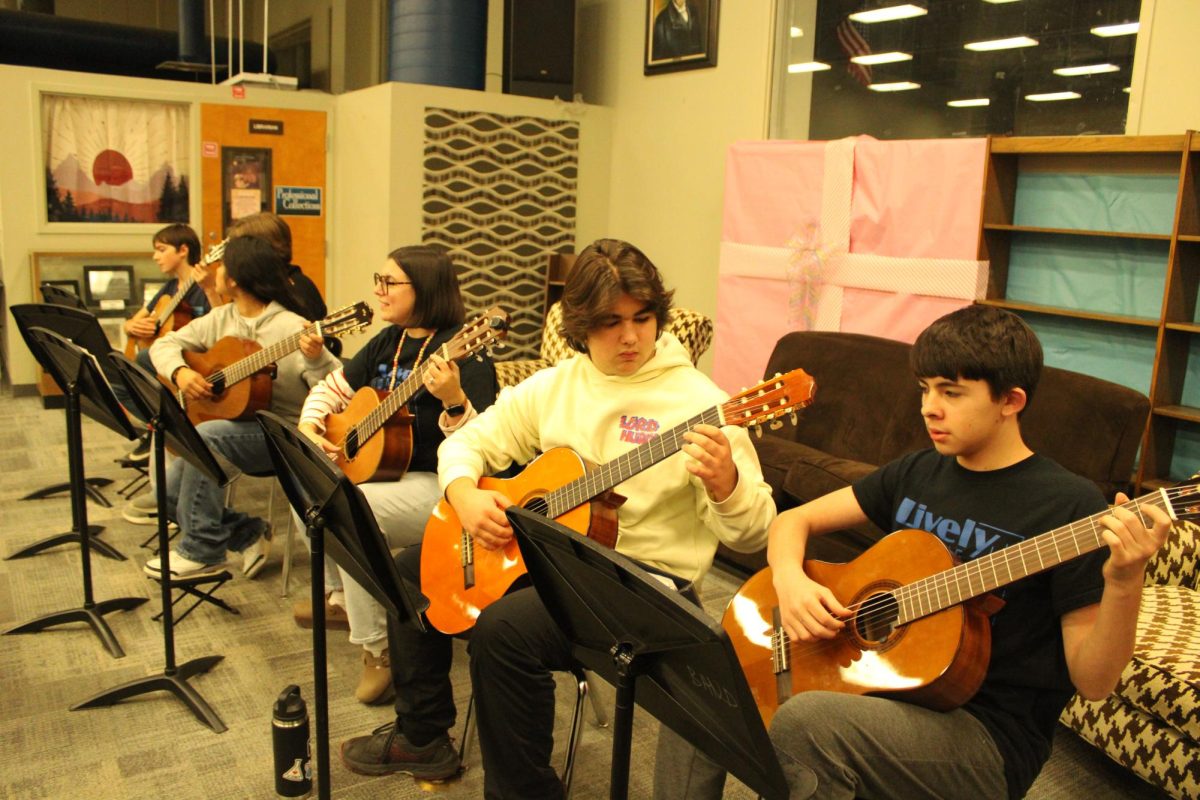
(108, 287)
(113, 164)
(680, 40)
(246, 184)
(67, 284)
(149, 288)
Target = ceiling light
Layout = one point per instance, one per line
(890, 13)
(900, 86)
(1126, 90)
(970, 103)
(1124, 29)
(1049, 96)
(882, 58)
(795, 32)
(999, 2)
(1087, 69)
(807, 66)
(1002, 44)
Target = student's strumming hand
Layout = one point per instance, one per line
(142, 327)
(481, 513)
(192, 384)
(807, 609)
(710, 458)
(310, 432)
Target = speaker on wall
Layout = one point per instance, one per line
(539, 48)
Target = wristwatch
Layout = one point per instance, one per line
(456, 410)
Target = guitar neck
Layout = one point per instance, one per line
(244, 368)
(185, 286)
(375, 419)
(598, 481)
(988, 573)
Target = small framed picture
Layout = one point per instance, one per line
(66, 285)
(680, 34)
(150, 287)
(108, 288)
(246, 184)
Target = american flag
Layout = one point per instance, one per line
(853, 44)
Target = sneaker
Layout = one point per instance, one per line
(375, 685)
(386, 751)
(335, 616)
(254, 557)
(181, 567)
(142, 510)
(140, 453)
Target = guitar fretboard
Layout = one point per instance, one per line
(244, 368)
(595, 483)
(987, 573)
(374, 419)
(214, 255)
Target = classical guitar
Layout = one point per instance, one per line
(919, 630)
(374, 431)
(173, 312)
(241, 371)
(461, 580)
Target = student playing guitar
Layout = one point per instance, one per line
(418, 296)
(630, 380)
(261, 309)
(981, 489)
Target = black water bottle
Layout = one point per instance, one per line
(289, 738)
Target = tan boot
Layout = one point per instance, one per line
(335, 615)
(375, 686)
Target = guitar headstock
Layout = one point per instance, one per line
(770, 400)
(1183, 500)
(485, 330)
(350, 319)
(214, 254)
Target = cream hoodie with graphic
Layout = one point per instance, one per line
(668, 519)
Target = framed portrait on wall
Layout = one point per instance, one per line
(680, 34)
(245, 182)
(114, 161)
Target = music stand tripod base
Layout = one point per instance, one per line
(174, 682)
(92, 487)
(71, 537)
(92, 614)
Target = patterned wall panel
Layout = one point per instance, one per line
(500, 194)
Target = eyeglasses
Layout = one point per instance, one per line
(386, 283)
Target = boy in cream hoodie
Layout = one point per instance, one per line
(631, 382)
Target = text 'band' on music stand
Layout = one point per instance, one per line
(628, 627)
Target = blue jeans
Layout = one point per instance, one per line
(208, 528)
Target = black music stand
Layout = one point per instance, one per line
(630, 628)
(86, 391)
(168, 422)
(81, 327)
(59, 296)
(328, 501)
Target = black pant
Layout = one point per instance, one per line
(514, 647)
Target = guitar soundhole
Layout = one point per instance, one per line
(351, 445)
(538, 506)
(876, 618)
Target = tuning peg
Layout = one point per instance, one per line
(758, 431)
(795, 418)
(776, 424)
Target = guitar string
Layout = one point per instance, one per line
(1088, 524)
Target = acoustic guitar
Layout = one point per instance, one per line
(461, 580)
(172, 313)
(374, 431)
(241, 371)
(919, 630)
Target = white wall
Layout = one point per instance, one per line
(671, 132)
(21, 182)
(1164, 97)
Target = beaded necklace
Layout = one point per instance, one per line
(396, 357)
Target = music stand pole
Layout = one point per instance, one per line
(91, 612)
(174, 678)
(315, 528)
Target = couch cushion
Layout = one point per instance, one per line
(813, 474)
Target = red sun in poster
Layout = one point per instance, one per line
(111, 167)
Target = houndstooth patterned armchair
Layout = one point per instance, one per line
(692, 329)
(1151, 722)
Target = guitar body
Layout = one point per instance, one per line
(937, 661)
(238, 401)
(460, 580)
(181, 316)
(385, 455)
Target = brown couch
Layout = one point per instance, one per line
(866, 412)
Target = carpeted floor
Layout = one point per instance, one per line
(152, 747)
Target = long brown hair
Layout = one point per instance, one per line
(604, 270)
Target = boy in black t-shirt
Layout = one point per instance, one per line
(979, 489)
